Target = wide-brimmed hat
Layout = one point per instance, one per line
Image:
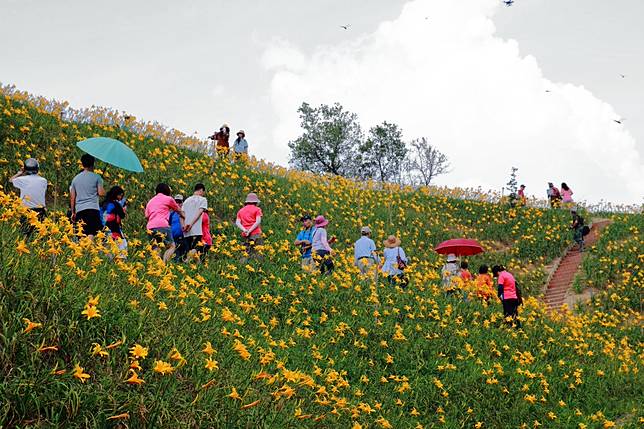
(252, 198)
(452, 258)
(241, 132)
(392, 241)
(321, 221)
(178, 197)
(365, 230)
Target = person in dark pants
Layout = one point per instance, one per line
(84, 191)
(321, 246)
(176, 225)
(507, 293)
(577, 227)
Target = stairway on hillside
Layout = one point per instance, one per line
(561, 281)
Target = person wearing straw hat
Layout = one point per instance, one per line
(321, 246)
(240, 146)
(249, 219)
(450, 270)
(365, 256)
(395, 261)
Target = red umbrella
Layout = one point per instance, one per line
(460, 247)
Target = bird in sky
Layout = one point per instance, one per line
(619, 121)
(508, 3)
(622, 76)
(346, 27)
(547, 90)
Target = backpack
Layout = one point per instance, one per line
(585, 230)
(104, 212)
(518, 291)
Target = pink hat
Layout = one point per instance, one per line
(321, 221)
(252, 198)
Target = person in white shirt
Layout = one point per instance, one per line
(365, 256)
(395, 261)
(33, 189)
(193, 208)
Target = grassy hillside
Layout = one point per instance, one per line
(230, 344)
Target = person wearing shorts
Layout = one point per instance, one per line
(157, 212)
(84, 191)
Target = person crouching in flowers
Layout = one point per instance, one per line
(394, 261)
(507, 292)
(113, 212)
(321, 246)
(484, 284)
(249, 220)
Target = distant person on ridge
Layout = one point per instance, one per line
(221, 139)
(33, 189)
(566, 193)
(508, 293)
(249, 220)
(577, 227)
(522, 198)
(304, 241)
(157, 212)
(553, 195)
(193, 208)
(240, 146)
(364, 254)
(84, 191)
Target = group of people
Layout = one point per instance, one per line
(222, 143)
(454, 274)
(558, 197)
(181, 228)
(315, 248)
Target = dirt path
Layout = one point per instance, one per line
(560, 283)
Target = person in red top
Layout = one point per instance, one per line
(465, 273)
(205, 231)
(249, 220)
(507, 292)
(522, 198)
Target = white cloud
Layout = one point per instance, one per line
(451, 79)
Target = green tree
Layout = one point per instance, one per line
(330, 141)
(512, 187)
(382, 154)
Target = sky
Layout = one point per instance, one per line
(470, 75)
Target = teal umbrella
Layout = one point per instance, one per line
(112, 152)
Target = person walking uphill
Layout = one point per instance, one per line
(508, 293)
(193, 208)
(321, 247)
(395, 261)
(578, 229)
(113, 213)
(157, 211)
(249, 220)
(364, 253)
(176, 225)
(84, 191)
(304, 241)
(33, 189)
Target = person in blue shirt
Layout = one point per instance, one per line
(365, 256)
(304, 241)
(176, 225)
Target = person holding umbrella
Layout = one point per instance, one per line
(451, 269)
(84, 192)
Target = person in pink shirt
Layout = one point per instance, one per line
(508, 293)
(157, 212)
(566, 193)
(249, 220)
